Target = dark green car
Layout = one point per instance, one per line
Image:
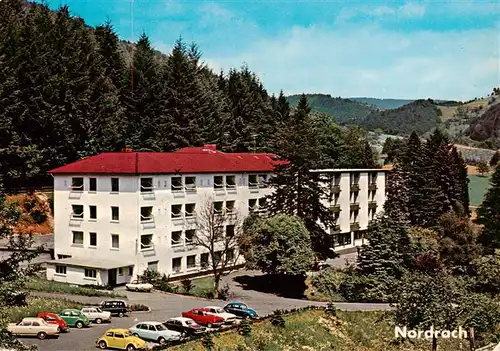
(74, 318)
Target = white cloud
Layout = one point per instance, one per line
(370, 61)
(407, 10)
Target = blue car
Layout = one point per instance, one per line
(241, 310)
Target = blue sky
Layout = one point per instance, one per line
(390, 49)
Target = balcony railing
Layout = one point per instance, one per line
(372, 205)
(354, 226)
(335, 229)
(354, 188)
(335, 189)
(372, 187)
(355, 206)
(335, 208)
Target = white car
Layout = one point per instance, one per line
(33, 327)
(229, 318)
(154, 331)
(96, 315)
(135, 285)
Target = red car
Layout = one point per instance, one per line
(53, 318)
(203, 318)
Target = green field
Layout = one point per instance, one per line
(477, 188)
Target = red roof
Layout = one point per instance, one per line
(204, 159)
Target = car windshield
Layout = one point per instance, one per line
(160, 327)
(188, 322)
(99, 310)
(219, 310)
(127, 334)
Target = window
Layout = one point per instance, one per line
(354, 197)
(93, 184)
(262, 204)
(342, 239)
(119, 336)
(146, 241)
(130, 270)
(204, 260)
(90, 273)
(253, 181)
(146, 214)
(176, 264)
(35, 324)
(92, 239)
(77, 184)
(115, 241)
(354, 178)
(358, 235)
(354, 216)
(217, 257)
(336, 179)
(120, 271)
(191, 261)
(218, 207)
(230, 231)
(373, 178)
(252, 205)
(153, 266)
(61, 270)
(230, 255)
(230, 206)
(146, 185)
(230, 181)
(115, 213)
(218, 182)
(93, 212)
(77, 211)
(335, 218)
(176, 238)
(190, 183)
(176, 184)
(190, 236)
(176, 211)
(115, 185)
(77, 238)
(263, 180)
(190, 210)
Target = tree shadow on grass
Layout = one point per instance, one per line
(281, 285)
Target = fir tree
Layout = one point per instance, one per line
(488, 214)
(396, 203)
(495, 159)
(462, 182)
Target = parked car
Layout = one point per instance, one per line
(31, 326)
(136, 285)
(120, 339)
(74, 318)
(229, 318)
(116, 307)
(241, 310)
(185, 326)
(96, 315)
(154, 331)
(204, 318)
(52, 318)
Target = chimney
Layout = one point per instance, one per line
(127, 150)
(210, 147)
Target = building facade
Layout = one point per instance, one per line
(118, 214)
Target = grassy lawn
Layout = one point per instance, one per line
(201, 287)
(315, 330)
(35, 306)
(39, 284)
(477, 188)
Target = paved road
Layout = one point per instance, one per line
(165, 306)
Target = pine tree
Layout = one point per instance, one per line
(488, 214)
(462, 183)
(396, 203)
(296, 190)
(495, 159)
(368, 156)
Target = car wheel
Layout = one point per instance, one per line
(209, 325)
(98, 321)
(79, 325)
(102, 345)
(58, 329)
(162, 341)
(130, 347)
(41, 335)
(136, 335)
(120, 314)
(137, 289)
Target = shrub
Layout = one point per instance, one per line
(328, 281)
(36, 305)
(245, 328)
(10, 342)
(158, 280)
(224, 292)
(277, 319)
(208, 341)
(187, 285)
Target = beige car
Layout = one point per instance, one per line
(33, 327)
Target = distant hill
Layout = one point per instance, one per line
(342, 111)
(383, 104)
(487, 125)
(420, 116)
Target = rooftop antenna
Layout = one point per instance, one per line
(132, 47)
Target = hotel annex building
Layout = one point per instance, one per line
(117, 214)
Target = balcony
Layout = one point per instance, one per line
(354, 226)
(335, 189)
(372, 187)
(355, 206)
(372, 205)
(335, 229)
(354, 188)
(335, 208)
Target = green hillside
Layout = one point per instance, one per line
(383, 104)
(420, 116)
(343, 111)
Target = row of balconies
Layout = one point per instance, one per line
(354, 188)
(372, 205)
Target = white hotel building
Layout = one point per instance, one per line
(117, 214)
